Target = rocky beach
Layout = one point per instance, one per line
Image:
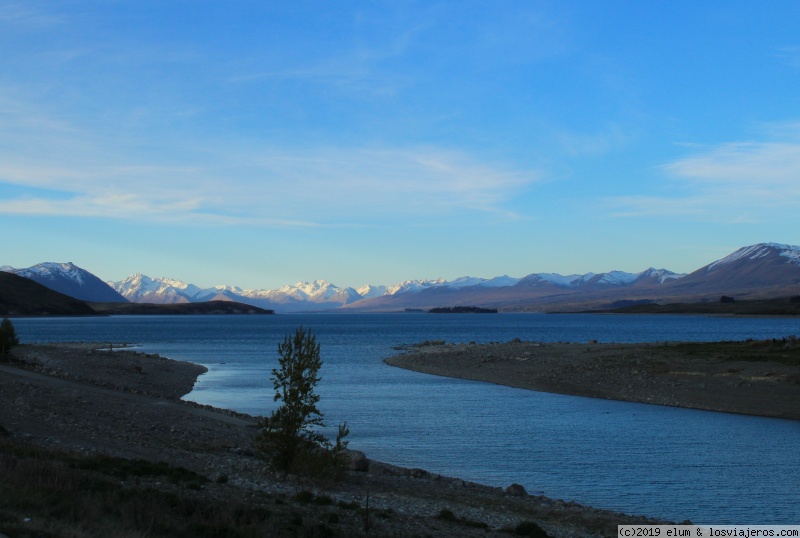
(72, 404)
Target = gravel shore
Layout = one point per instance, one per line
(753, 377)
(84, 399)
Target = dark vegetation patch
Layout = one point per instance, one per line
(462, 310)
(206, 307)
(446, 514)
(527, 528)
(308, 497)
(138, 468)
(779, 350)
(725, 305)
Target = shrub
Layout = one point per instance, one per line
(446, 515)
(8, 336)
(530, 528)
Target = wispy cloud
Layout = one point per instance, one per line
(398, 181)
(98, 170)
(133, 207)
(732, 182)
(269, 186)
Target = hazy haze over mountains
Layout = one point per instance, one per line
(754, 270)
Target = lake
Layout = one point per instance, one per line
(671, 463)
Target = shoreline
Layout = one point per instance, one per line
(78, 399)
(751, 378)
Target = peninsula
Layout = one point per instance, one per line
(748, 377)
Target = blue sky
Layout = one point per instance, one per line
(260, 143)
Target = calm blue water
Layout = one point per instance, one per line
(664, 462)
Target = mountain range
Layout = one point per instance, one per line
(321, 295)
(757, 271)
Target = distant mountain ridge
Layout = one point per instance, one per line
(591, 280)
(765, 267)
(322, 295)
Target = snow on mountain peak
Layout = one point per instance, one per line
(760, 250)
(370, 290)
(465, 281)
(499, 282)
(142, 288)
(51, 270)
(414, 285)
(564, 280)
(69, 279)
(662, 275)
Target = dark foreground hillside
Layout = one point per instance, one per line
(20, 296)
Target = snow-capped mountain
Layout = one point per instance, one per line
(761, 266)
(659, 276)
(141, 288)
(369, 290)
(322, 295)
(762, 251)
(69, 279)
(598, 280)
(464, 281)
(317, 295)
(414, 286)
